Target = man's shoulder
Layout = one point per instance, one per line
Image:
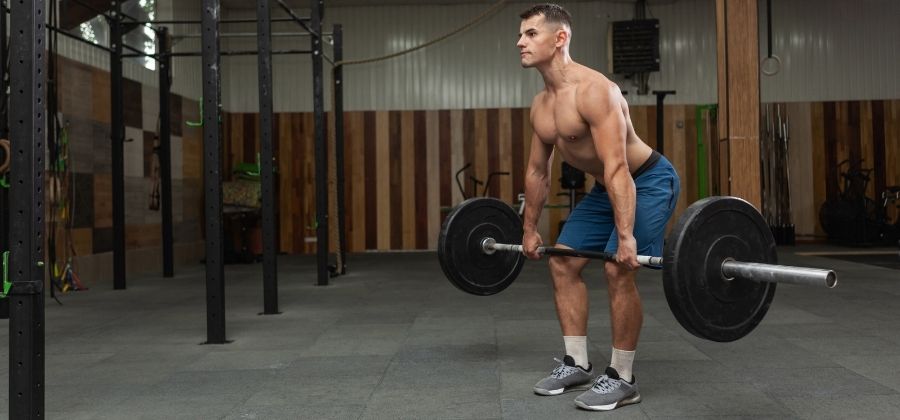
(596, 83)
(538, 97)
(538, 100)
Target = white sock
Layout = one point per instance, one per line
(621, 361)
(576, 346)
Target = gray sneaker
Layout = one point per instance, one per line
(609, 392)
(567, 375)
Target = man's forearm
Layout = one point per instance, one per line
(536, 189)
(623, 197)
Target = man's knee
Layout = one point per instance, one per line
(619, 276)
(565, 268)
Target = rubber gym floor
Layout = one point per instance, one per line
(394, 339)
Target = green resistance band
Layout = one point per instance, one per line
(197, 123)
(6, 283)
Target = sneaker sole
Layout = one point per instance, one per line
(634, 399)
(549, 392)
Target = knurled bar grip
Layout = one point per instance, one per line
(643, 259)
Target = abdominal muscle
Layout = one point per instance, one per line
(581, 153)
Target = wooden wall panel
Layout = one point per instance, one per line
(675, 151)
(400, 165)
(892, 147)
(480, 164)
(446, 156)
(689, 187)
(284, 162)
(519, 144)
(867, 143)
(309, 174)
(504, 150)
(800, 163)
(350, 163)
(433, 178)
(820, 170)
(421, 181)
(103, 201)
(142, 236)
(396, 192)
(468, 140)
(383, 179)
(372, 153)
(331, 183)
(407, 162)
(458, 152)
(100, 97)
(81, 241)
(493, 153)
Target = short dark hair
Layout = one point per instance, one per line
(553, 13)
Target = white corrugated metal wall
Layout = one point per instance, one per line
(476, 69)
(186, 72)
(832, 50)
(187, 77)
(835, 50)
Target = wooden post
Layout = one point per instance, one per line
(737, 39)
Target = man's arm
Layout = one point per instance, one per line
(537, 181)
(600, 106)
(537, 186)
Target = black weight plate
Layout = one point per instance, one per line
(460, 252)
(702, 300)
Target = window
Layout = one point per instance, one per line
(142, 38)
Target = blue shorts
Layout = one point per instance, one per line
(591, 226)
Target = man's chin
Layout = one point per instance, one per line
(526, 64)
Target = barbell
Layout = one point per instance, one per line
(719, 262)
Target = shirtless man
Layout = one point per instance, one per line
(582, 115)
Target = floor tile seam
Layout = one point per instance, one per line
(381, 380)
(498, 368)
(239, 405)
(778, 397)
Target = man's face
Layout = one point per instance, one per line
(537, 40)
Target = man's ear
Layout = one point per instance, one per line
(562, 37)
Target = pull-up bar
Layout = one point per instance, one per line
(221, 53)
(77, 38)
(223, 21)
(253, 35)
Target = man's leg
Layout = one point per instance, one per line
(571, 300)
(570, 293)
(617, 387)
(626, 316)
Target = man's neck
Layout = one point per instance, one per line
(558, 73)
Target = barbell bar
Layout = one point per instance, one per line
(731, 269)
(719, 261)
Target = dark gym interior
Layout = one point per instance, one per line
(282, 209)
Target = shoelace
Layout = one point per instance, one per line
(604, 385)
(562, 370)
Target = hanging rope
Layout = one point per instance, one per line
(333, 233)
(484, 15)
